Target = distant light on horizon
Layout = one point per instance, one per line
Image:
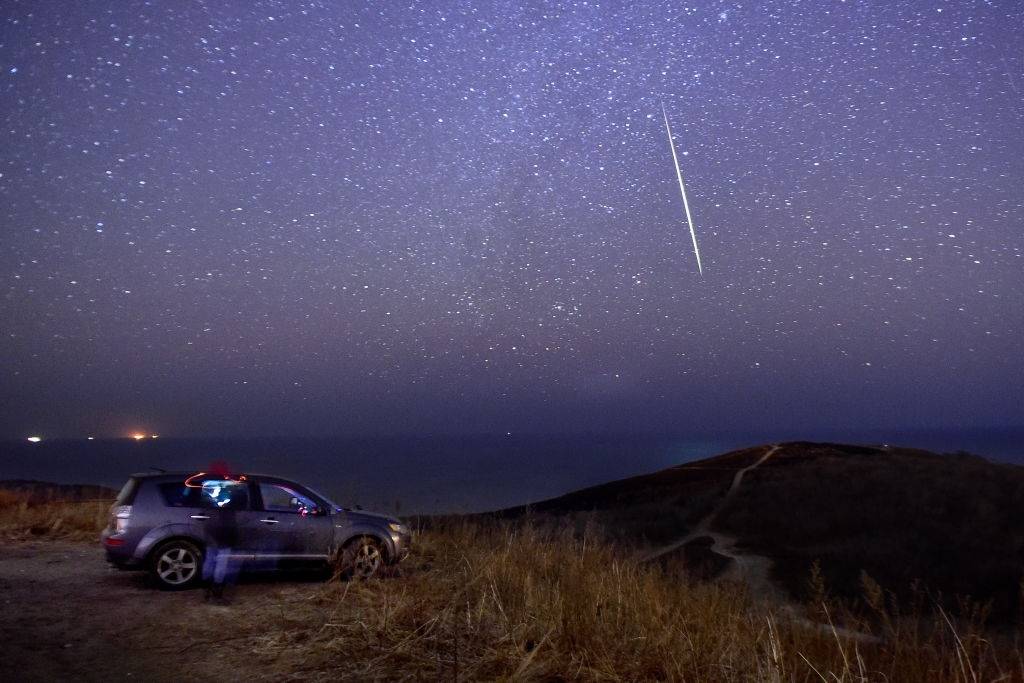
(138, 437)
(35, 439)
(154, 436)
(90, 438)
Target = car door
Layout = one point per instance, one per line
(293, 525)
(225, 514)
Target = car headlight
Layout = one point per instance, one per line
(397, 527)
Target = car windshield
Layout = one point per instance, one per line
(331, 503)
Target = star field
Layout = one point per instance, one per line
(317, 217)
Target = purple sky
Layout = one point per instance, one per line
(334, 218)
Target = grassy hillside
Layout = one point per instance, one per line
(921, 525)
(948, 524)
(651, 509)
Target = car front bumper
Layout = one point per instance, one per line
(402, 544)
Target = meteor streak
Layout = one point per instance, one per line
(682, 191)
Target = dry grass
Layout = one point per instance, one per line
(503, 602)
(21, 518)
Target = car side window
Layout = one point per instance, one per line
(281, 498)
(223, 494)
(177, 495)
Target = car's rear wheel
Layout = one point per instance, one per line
(177, 565)
(361, 559)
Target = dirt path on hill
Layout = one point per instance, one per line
(748, 568)
(752, 570)
(66, 615)
(722, 542)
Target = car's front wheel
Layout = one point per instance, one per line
(177, 565)
(362, 558)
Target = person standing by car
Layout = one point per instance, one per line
(223, 496)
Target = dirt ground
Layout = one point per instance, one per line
(65, 614)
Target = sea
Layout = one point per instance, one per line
(441, 474)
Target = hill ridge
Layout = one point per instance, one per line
(908, 518)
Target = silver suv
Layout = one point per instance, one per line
(166, 522)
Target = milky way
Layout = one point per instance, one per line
(285, 217)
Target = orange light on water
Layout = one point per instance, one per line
(138, 437)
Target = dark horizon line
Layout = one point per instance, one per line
(792, 434)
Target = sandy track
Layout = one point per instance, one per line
(66, 615)
(722, 542)
(748, 568)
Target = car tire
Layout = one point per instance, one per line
(360, 559)
(177, 565)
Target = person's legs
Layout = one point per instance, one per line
(209, 570)
(220, 570)
(223, 572)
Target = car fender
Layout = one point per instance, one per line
(158, 534)
(346, 532)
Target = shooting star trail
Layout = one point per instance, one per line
(682, 191)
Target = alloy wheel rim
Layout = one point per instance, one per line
(176, 566)
(367, 560)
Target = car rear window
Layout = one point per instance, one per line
(127, 493)
(209, 493)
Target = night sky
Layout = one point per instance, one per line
(230, 218)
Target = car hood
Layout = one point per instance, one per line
(370, 517)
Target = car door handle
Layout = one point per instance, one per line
(269, 521)
(200, 516)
